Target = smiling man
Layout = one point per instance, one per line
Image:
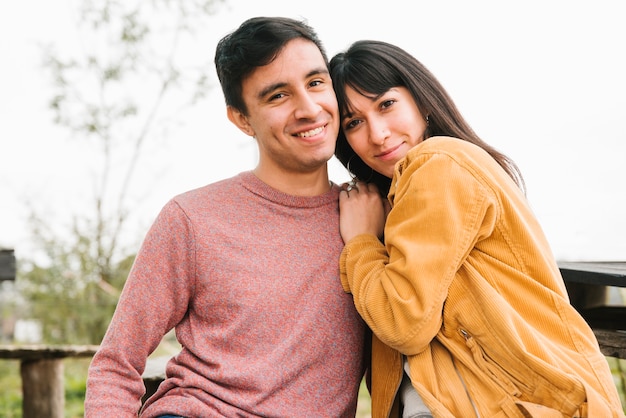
(246, 269)
(291, 110)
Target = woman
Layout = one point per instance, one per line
(464, 295)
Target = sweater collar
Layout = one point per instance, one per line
(254, 185)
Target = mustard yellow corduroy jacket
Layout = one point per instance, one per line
(466, 287)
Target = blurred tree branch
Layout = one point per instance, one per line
(125, 86)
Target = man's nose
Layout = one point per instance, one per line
(307, 107)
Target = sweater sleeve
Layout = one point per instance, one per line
(440, 210)
(155, 297)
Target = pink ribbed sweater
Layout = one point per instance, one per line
(249, 277)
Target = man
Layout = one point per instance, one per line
(246, 269)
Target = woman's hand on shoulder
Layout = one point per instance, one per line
(362, 210)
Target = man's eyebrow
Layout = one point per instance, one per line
(268, 89)
(316, 71)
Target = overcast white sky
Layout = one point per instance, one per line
(541, 80)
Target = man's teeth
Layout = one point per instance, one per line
(311, 132)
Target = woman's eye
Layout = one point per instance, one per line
(386, 103)
(351, 124)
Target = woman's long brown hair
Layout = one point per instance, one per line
(372, 68)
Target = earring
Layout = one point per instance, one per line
(353, 178)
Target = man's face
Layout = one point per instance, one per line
(292, 110)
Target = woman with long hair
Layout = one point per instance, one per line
(452, 272)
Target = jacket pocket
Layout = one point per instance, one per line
(539, 411)
(512, 385)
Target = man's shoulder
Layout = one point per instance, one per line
(227, 185)
(212, 195)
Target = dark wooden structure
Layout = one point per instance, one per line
(7, 264)
(598, 291)
(153, 375)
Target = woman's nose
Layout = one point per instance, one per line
(378, 133)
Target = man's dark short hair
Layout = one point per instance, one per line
(254, 44)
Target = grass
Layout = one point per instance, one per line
(618, 370)
(75, 384)
(10, 389)
(363, 409)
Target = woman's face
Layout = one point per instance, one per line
(383, 129)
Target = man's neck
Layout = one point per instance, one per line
(296, 184)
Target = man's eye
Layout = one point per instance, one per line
(277, 96)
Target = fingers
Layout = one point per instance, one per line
(358, 186)
(352, 185)
(348, 187)
(360, 210)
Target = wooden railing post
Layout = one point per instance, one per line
(42, 388)
(41, 367)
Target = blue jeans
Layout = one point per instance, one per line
(170, 416)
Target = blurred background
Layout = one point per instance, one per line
(110, 108)
(542, 81)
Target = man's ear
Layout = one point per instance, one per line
(240, 120)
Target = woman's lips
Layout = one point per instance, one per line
(389, 153)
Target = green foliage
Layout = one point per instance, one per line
(72, 304)
(131, 47)
(618, 369)
(10, 389)
(75, 386)
(364, 407)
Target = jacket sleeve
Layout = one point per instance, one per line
(154, 299)
(441, 208)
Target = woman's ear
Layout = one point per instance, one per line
(239, 120)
